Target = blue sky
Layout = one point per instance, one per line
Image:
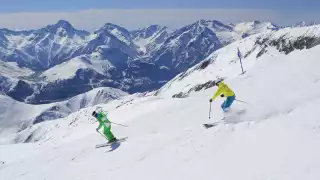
(132, 14)
(71, 5)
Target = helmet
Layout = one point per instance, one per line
(217, 81)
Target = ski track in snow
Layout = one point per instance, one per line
(278, 137)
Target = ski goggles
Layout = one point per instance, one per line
(94, 114)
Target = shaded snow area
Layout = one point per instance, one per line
(276, 136)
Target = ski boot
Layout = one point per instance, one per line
(113, 140)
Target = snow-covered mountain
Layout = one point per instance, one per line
(191, 44)
(304, 24)
(119, 32)
(88, 99)
(67, 62)
(43, 48)
(246, 29)
(225, 62)
(79, 75)
(150, 38)
(16, 116)
(13, 82)
(276, 135)
(186, 47)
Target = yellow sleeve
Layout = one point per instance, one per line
(218, 92)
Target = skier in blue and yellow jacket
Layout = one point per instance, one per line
(224, 91)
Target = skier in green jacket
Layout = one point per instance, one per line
(106, 124)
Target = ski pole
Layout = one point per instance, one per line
(210, 110)
(119, 124)
(242, 101)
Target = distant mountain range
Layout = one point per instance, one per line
(58, 61)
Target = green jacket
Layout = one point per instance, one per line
(103, 121)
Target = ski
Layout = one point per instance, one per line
(110, 144)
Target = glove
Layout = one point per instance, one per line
(210, 100)
(222, 95)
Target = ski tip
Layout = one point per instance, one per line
(207, 126)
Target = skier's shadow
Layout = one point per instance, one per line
(114, 146)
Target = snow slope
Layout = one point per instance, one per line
(278, 136)
(16, 116)
(225, 62)
(11, 69)
(69, 69)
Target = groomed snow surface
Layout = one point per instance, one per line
(277, 138)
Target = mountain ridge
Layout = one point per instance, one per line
(134, 61)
